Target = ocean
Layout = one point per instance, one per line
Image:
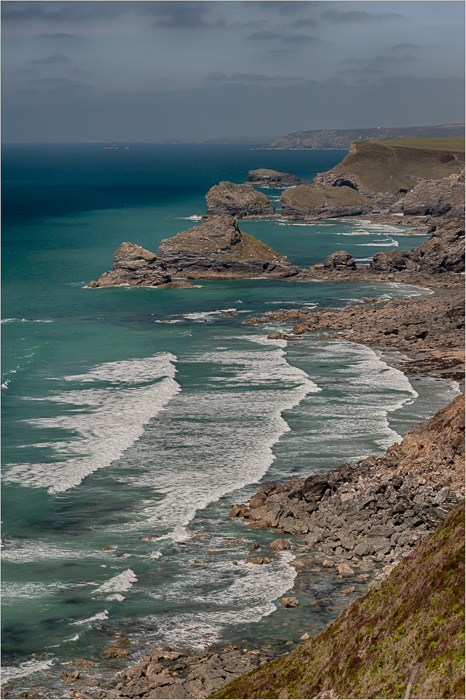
(134, 417)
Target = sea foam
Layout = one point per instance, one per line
(109, 418)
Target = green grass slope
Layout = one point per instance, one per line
(386, 166)
(408, 630)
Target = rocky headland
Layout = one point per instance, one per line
(217, 249)
(240, 201)
(387, 178)
(271, 178)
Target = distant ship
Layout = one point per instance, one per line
(126, 148)
(111, 145)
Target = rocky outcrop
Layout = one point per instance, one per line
(380, 506)
(240, 201)
(218, 249)
(436, 197)
(442, 252)
(135, 266)
(271, 178)
(318, 202)
(430, 330)
(341, 260)
(343, 138)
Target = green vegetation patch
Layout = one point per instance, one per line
(410, 627)
(389, 166)
(311, 197)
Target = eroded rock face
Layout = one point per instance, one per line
(341, 260)
(318, 202)
(218, 249)
(436, 197)
(135, 266)
(271, 178)
(442, 252)
(240, 201)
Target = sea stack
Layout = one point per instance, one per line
(240, 201)
(135, 266)
(217, 249)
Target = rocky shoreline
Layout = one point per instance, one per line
(358, 522)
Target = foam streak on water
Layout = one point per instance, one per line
(109, 417)
(220, 437)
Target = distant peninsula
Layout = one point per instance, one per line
(341, 139)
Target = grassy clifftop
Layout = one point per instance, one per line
(407, 630)
(389, 166)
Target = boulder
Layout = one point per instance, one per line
(314, 487)
(218, 249)
(290, 602)
(240, 201)
(135, 266)
(271, 178)
(341, 260)
(280, 545)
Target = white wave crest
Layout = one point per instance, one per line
(109, 420)
(27, 668)
(118, 584)
(99, 616)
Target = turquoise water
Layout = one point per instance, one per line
(132, 412)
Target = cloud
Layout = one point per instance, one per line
(184, 15)
(304, 22)
(58, 84)
(286, 7)
(300, 38)
(405, 46)
(62, 11)
(57, 36)
(339, 17)
(264, 35)
(394, 59)
(53, 58)
(252, 77)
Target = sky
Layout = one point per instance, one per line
(149, 71)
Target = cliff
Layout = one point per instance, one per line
(135, 266)
(240, 201)
(404, 637)
(317, 202)
(271, 178)
(395, 167)
(343, 138)
(217, 249)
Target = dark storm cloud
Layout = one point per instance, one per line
(299, 38)
(58, 36)
(267, 35)
(283, 8)
(264, 35)
(362, 71)
(393, 59)
(339, 17)
(53, 58)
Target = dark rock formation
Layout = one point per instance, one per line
(217, 249)
(319, 202)
(240, 201)
(271, 178)
(341, 260)
(436, 197)
(135, 266)
(442, 252)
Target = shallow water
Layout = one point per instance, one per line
(132, 412)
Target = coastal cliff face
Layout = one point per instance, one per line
(271, 178)
(436, 197)
(240, 201)
(135, 266)
(218, 249)
(442, 252)
(403, 637)
(319, 202)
